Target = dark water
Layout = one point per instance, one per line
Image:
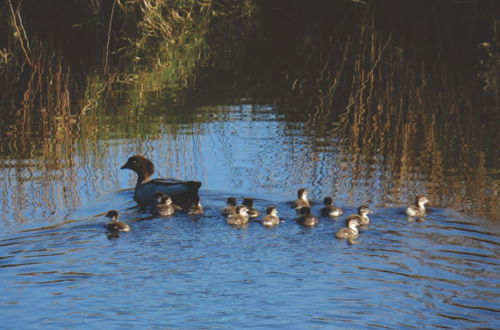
(58, 269)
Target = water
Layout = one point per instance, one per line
(58, 268)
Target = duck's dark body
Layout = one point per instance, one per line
(183, 193)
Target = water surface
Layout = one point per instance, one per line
(60, 270)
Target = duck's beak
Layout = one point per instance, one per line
(124, 166)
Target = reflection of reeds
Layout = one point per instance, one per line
(422, 122)
(386, 97)
(57, 103)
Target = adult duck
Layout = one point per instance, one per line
(183, 193)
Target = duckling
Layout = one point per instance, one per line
(196, 209)
(329, 210)
(271, 219)
(350, 231)
(417, 210)
(302, 201)
(240, 217)
(362, 215)
(252, 213)
(231, 206)
(306, 219)
(114, 224)
(165, 206)
(112, 231)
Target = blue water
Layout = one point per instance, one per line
(59, 270)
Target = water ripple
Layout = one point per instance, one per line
(199, 272)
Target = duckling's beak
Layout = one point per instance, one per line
(124, 166)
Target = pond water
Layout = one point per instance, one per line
(58, 268)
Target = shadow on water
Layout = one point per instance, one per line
(369, 103)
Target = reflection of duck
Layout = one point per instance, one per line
(252, 213)
(231, 206)
(164, 206)
(271, 219)
(302, 201)
(329, 210)
(183, 193)
(114, 224)
(417, 210)
(240, 217)
(362, 215)
(350, 231)
(306, 219)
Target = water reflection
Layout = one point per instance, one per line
(246, 147)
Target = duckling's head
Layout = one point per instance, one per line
(363, 210)
(158, 196)
(305, 210)
(351, 222)
(112, 214)
(140, 165)
(328, 200)
(248, 202)
(272, 210)
(421, 200)
(166, 200)
(302, 193)
(231, 201)
(196, 209)
(242, 210)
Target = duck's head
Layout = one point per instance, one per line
(352, 222)
(364, 210)
(140, 165)
(231, 201)
(272, 210)
(421, 200)
(302, 193)
(242, 210)
(196, 209)
(328, 200)
(166, 200)
(112, 214)
(248, 202)
(158, 196)
(305, 210)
